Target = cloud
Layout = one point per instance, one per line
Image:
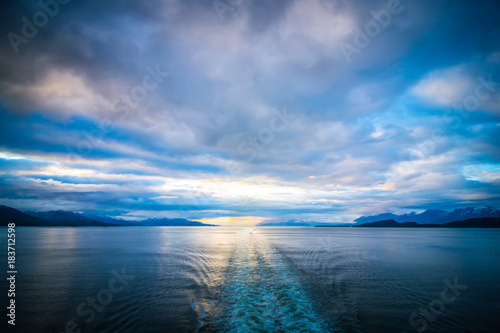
(62, 93)
(459, 87)
(444, 87)
(486, 173)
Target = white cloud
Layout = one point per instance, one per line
(318, 20)
(444, 87)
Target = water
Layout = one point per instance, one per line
(154, 279)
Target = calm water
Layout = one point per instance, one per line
(133, 279)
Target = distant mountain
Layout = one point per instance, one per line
(469, 213)
(389, 224)
(76, 223)
(164, 222)
(72, 219)
(285, 224)
(109, 220)
(11, 215)
(429, 216)
(63, 215)
(58, 215)
(484, 222)
(434, 216)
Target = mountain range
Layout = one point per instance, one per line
(483, 222)
(434, 216)
(66, 218)
(428, 218)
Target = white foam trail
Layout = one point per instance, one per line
(263, 294)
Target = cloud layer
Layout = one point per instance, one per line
(250, 111)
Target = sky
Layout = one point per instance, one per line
(236, 112)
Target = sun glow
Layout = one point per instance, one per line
(234, 221)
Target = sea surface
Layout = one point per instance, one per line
(215, 279)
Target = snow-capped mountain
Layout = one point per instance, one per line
(435, 216)
(469, 213)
